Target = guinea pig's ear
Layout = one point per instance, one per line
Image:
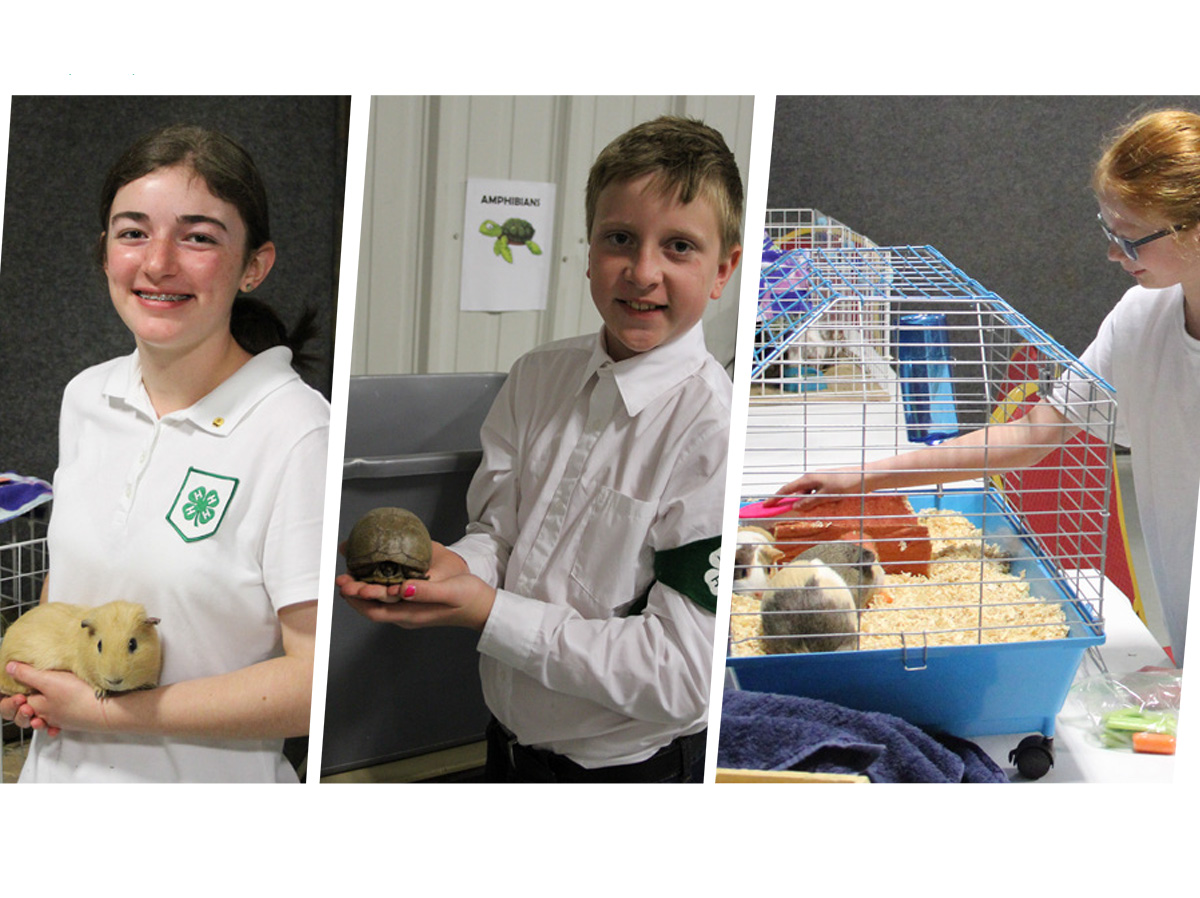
(153, 621)
(89, 626)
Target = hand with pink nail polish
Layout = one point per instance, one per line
(445, 563)
(451, 597)
(460, 600)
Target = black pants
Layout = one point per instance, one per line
(510, 762)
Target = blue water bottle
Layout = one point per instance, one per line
(925, 378)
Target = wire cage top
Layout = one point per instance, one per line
(786, 357)
(958, 358)
(968, 606)
(790, 229)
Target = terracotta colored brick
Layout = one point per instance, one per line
(886, 520)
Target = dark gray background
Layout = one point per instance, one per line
(999, 185)
(55, 314)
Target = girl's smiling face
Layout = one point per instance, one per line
(175, 256)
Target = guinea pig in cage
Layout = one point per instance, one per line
(906, 456)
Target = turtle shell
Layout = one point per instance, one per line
(388, 545)
(518, 231)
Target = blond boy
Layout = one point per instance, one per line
(589, 566)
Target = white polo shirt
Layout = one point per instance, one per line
(591, 467)
(211, 518)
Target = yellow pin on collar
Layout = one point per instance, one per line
(217, 422)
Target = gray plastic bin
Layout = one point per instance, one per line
(413, 441)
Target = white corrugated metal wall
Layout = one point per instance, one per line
(421, 151)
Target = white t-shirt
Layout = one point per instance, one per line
(211, 518)
(1144, 352)
(590, 466)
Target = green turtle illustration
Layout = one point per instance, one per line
(514, 232)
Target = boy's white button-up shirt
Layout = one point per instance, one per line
(590, 466)
(210, 517)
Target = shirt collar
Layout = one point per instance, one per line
(221, 410)
(648, 375)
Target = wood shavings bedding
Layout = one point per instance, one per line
(745, 626)
(969, 584)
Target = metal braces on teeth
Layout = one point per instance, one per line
(164, 297)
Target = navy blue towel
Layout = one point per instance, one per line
(762, 731)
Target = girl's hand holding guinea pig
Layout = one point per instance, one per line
(59, 700)
(17, 709)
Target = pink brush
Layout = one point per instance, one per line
(758, 510)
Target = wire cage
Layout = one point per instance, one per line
(965, 607)
(808, 229)
(24, 561)
(813, 362)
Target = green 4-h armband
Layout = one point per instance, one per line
(692, 570)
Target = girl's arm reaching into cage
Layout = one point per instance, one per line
(989, 450)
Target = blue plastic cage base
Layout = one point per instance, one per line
(965, 690)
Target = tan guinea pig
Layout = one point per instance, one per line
(112, 647)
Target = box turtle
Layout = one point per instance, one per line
(387, 546)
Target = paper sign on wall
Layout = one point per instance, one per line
(508, 231)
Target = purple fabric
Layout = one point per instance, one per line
(20, 494)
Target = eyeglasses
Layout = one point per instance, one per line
(1129, 247)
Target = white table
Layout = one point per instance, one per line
(1128, 647)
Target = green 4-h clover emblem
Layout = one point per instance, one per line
(201, 504)
(692, 570)
(710, 576)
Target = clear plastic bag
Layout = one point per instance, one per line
(1133, 712)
